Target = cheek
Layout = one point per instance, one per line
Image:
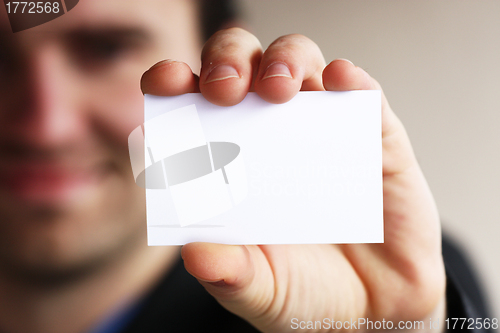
(117, 109)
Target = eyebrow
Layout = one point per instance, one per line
(135, 36)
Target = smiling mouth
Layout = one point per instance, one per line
(42, 183)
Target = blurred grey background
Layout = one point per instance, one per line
(439, 65)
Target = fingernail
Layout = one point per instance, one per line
(221, 72)
(277, 69)
(220, 283)
(163, 62)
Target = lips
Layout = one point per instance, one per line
(48, 182)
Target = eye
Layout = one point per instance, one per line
(105, 48)
(96, 51)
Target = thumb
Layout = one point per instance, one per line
(238, 276)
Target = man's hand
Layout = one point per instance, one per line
(268, 285)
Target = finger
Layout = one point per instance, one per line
(398, 156)
(169, 78)
(291, 63)
(239, 277)
(229, 59)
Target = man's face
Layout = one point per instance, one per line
(69, 97)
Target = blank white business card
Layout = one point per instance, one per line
(307, 171)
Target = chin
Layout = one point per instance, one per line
(69, 237)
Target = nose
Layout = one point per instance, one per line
(47, 116)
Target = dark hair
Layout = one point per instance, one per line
(214, 14)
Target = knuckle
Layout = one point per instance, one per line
(298, 47)
(236, 31)
(230, 41)
(292, 39)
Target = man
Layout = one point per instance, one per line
(73, 253)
